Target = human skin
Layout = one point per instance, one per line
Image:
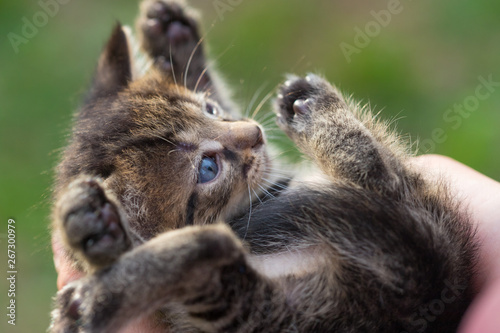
(481, 196)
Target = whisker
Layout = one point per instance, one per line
(164, 139)
(254, 98)
(191, 162)
(249, 213)
(268, 194)
(173, 151)
(270, 130)
(272, 138)
(172, 63)
(266, 118)
(207, 89)
(274, 181)
(283, 187)
(268, 123)
(275, 170)
(192, 55)
(272, 158)
(256, 195)
(272, 127)
(297, 64)
(282, 174)
(212, 62)
(274, 134)
(267, 115)
(199, 79)
(261, 104)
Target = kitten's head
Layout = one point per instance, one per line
(173, 157)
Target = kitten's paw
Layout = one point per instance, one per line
(170, 33)
(300, 100)
(83, 306)
(64, 317)
(91, 222)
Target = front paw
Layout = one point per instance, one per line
(302, 100)
(66, 314)
(83, 306)
(91, 222)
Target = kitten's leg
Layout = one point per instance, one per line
(169, 34)
(91, 223)
(319, 120)
(202, 270)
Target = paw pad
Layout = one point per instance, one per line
(168, 22)
(301, 106)
(296, 97)
(92, 223)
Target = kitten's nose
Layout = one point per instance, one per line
(243, 135)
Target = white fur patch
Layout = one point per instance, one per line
(295, 262)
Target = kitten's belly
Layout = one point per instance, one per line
(295, 262)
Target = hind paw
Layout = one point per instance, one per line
(91, 222)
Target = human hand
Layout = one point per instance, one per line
(482, 196)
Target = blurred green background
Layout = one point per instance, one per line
(416, 67)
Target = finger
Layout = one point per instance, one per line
(483, 316)
(63, 265)
(479, 191)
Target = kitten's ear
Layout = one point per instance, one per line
(114, 70)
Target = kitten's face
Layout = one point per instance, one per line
(173, 157)
(182, 159)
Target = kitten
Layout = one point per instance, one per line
(159, 159)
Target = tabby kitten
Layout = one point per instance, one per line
(158, 160)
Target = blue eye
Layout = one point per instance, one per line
(208, 170)
(212, 110)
